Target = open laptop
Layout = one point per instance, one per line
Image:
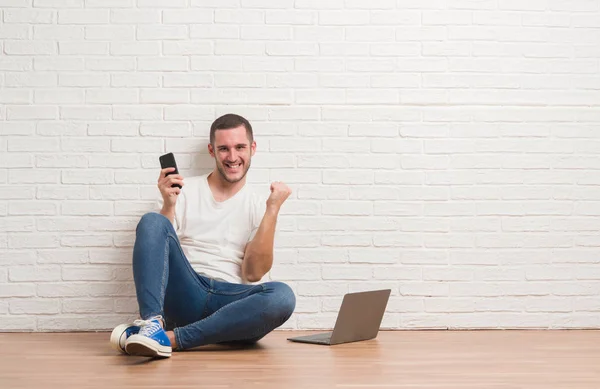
(359, 319)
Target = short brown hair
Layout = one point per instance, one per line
(229, 121)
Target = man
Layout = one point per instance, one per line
(195, 262)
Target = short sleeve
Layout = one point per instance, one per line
(179, 206)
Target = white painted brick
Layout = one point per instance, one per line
(161, 4)
(195, 47)
(113, 224)
(348, 177)
(373, 255)
(34, 306)
(87, 208)
(137, 112)
(240, 16)
(12, 192)
(391, 208)
(187, 80)
(17, 224)
(328, 255)
(425, 34)
(111, 33)
(296, 273)
(16, 112)
(424, 289)
(395, 177)
(109, 3)
(67, 160)
(370, 130)
(187, 16)
(155, 32)
(87, 144)
(31, 208)
(34, 273)
(87, 16)
(33, 176)
(126, 305)
(19, 47)
(295, 17)
(134, 16)
(89, 306)
(395, 18)
(135, 48)
(423, 224)
(61, 192)
(291, 48)
(132, 80)
(124, 240)
(316, 4)
(22, 144)
(16, 64)
(88, 273)
(62, 256)
(86, 241)
(136, 177)
(15, 31)
(110, 256)
(397, 240)
(114, 160)
(345, 223)
(130, 208)
(401, 273)
(94, 176)
(28, 16)
(117, 129)
(61, 96)
(344, 49)
(58, 3)
(347, 272)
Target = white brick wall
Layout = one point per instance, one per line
(446, 149)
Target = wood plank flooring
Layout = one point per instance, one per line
(396, 359)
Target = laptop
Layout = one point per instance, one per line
(359, 318)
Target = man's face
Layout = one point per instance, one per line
(232, 151)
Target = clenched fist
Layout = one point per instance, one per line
(279, 193)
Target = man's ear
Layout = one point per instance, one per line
(211, 151)
(253, 147)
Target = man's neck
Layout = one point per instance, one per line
(221, 189)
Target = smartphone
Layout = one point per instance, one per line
(168, 160)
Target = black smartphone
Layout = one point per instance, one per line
(168, 160)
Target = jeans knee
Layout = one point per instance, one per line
(152, 221)
(284, 300)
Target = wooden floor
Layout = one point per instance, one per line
(402, 359)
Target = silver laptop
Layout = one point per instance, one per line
(359, 319)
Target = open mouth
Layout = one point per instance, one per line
(232, 167)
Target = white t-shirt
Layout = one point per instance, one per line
(213, 235)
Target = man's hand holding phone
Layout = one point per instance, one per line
(170, 181)
(166, 185)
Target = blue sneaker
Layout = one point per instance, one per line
(120, 334)
(150, 341)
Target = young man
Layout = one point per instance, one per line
(195, 262)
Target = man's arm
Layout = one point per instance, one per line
(258, 256)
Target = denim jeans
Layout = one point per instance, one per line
(200, 310)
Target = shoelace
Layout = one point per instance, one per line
(148, 327)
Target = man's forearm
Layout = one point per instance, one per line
(258, 257)
(168, 212)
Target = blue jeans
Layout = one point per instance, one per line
(198, 309)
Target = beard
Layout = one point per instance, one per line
(223, 173)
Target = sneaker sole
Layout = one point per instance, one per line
(115, 337)
(145, 347)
